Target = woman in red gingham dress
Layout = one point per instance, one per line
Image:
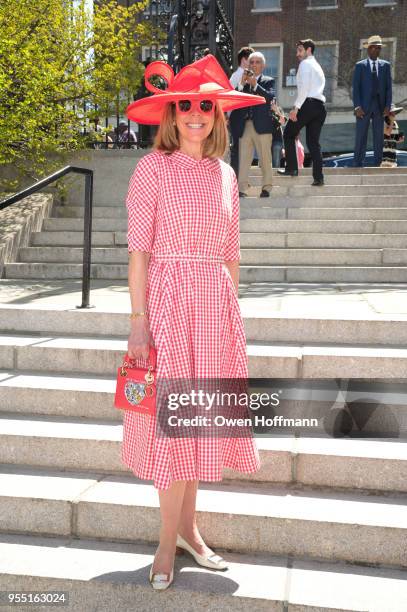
(193, 309)
(184, 251)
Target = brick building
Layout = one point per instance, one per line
(339, 28)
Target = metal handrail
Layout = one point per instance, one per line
(87, 226)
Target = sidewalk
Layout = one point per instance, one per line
(326, 300)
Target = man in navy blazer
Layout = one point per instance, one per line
(372, 98)
(253, 126)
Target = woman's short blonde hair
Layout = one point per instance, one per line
(167, 138)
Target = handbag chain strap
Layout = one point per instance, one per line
(149, 376)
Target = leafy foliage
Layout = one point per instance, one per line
(56, 56)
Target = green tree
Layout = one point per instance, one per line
(54, 57)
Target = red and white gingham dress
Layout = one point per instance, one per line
(181, 206)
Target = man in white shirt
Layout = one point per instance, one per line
(243, 62)
(235, 78)
(309, 111)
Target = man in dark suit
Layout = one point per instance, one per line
(253, 126)
(372, 97)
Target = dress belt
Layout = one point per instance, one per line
(185, 257)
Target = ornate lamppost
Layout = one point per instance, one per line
(194, 26)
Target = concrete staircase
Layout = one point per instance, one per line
(320, 512)
(321, 527)
(352, 230)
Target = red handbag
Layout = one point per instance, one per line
(136, 386)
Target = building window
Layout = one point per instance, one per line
(380, 2)
(320, 4)
(388, 52)
(267, 5)
(273, 54)
(326, 53)
(151, 52)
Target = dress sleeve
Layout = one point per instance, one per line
(232, 250)
(141, 205)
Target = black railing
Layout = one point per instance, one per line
(87, 226)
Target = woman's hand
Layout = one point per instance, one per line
(233, 268)
(140, 338)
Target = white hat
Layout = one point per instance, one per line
(374, 40)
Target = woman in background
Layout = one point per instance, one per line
(392, 137)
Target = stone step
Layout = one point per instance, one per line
(252, 202)
(61, 441)
(275, 273)
(243, 517)
(369, 170)
(320, 240)
(60, 395)
(318, 274)
(252, 582)
(246, 225)
(332, 180)
(326, 201)
(262, 256)
(75, 238)
(260, 324)
(63, 271)
(373, 408)
(270, 212)
(283, 188)
(323, 226)
(306, 191)
(323, 256)
(102, 356)
(354, 180)
(247, 240)
(60, 224)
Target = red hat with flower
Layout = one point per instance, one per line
(201, 80)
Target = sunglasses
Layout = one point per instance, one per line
(184, 106)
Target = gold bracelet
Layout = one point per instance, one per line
(137, 314)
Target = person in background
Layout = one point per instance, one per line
(299, 147)
(299, 151)
(126, 136)
(254, 125)
(392, 137)
(277, 144)
(372, 97)
(309, 111)
(235, 78)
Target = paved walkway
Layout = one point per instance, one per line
(330, 300)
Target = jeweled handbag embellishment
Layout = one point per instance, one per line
(135, 392)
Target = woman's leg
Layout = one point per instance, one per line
(170, 510)
(188, 529)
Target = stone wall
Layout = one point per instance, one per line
(18, 221)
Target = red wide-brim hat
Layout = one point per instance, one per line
(202, 80)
